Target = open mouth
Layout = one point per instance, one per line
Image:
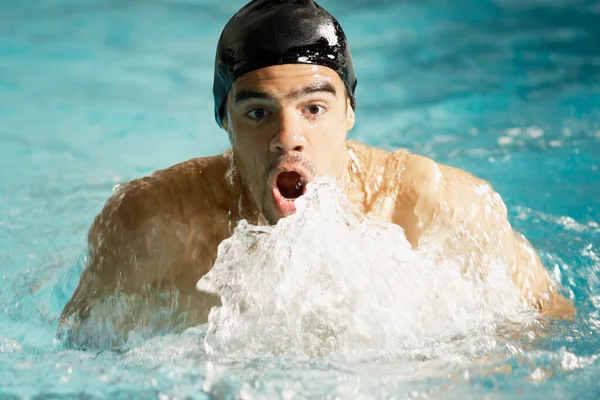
(291, 184)
(288, 185)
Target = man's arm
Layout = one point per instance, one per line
(139, 253)
(466, 216)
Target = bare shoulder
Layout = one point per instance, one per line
(369, 156)
(174, 192)
(152, 233)
(442, 188)
(464, 214)
(160, 216)
(422, 185)
(453, 200)
(424, 171)
(420, 172)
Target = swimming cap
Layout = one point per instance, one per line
(274, 32)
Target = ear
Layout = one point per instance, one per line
(350, 118)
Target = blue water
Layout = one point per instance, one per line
(98, 92)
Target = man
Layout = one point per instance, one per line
(284, 92)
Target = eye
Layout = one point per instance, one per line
(257, 114)
(315, 110)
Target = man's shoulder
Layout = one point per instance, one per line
(174, 193)
(375, 157)
(437, 186)
(427, 172)
(414, 168)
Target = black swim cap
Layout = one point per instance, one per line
(274, 32)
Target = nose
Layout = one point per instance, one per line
(289, 137)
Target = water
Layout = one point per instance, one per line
(293, 289)
(95, 93)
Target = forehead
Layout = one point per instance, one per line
(286, 78)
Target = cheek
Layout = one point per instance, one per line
(243, 140)
(250, 155)
(336, 133)
(331, 129)
(329, 146)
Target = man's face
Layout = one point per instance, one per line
(287, 124)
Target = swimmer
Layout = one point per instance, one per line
(284, 92)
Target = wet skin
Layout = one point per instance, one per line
(286, 124)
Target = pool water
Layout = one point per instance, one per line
(95, 93)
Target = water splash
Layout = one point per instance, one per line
(326, 280)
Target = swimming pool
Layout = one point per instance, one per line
(95, 93)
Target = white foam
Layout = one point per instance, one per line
(9, 345)
(326, 280)
(505, 140)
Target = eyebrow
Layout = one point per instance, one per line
(326, 87)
